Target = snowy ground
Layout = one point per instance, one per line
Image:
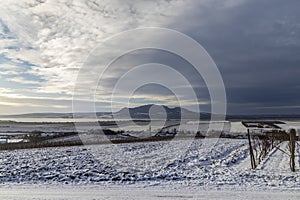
(177, 169)
(93, 193)
(160, 166)
(140, 131)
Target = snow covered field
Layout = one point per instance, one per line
(163, 166)
(94, 193)
(176, 169)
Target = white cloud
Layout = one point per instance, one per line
(8, 73)
(62, 33)
(5, 66)
(22, 80)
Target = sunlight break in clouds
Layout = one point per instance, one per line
(51, 39)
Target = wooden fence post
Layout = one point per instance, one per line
(253, 165)
(292, 148)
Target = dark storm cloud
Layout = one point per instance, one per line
(256, 46)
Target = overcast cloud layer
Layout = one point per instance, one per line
(255, 44)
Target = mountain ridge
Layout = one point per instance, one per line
(142, 112)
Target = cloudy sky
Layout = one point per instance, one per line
(254, 43)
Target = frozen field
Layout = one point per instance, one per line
(116, 193)
(159, 166)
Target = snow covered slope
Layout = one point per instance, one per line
(153, 164)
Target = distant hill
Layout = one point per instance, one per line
(141, 112)
(156, 112)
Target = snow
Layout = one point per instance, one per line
(237, 127)
(159, 164)
(176, 169)
(87, 193)
(229, 127)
